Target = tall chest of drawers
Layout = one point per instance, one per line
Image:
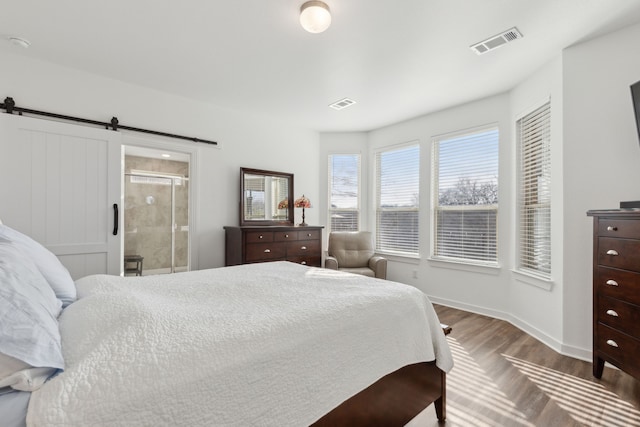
(616, 290)
(250, 244)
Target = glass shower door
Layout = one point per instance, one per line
(149, 218)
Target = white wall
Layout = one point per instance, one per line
(479, 289)
(536, 306)
(244, 140)
(595, 165)
(601, 158)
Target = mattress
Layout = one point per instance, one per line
(260, 344)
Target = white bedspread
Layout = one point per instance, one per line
(273, 344)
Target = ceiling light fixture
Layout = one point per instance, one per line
(315, 16)
(19, 42)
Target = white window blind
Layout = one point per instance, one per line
(397, 200)
(465, 195)
(344, 192)
(534, 198)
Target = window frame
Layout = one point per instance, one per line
(377, 198)
(538, 274)
(358, 208)
(461, 262)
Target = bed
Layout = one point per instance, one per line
(259, 344)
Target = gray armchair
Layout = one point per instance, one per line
(353, 252)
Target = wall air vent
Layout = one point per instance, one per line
(496, 41)
(343, 103)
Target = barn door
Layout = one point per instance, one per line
(61, 184)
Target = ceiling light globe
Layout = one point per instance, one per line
(315, 16)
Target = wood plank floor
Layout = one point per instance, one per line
(504, 377)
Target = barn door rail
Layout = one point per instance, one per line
(10, 107)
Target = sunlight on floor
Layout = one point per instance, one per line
(585, 401)
(468, 379)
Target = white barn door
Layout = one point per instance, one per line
(59, 183)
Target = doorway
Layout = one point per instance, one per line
(156, 212)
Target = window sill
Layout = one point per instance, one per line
(532, 280)
(394, 257)
(493, 269)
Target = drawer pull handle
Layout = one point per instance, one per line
(304, 263)
(286, 236)
(612, 228)
(260, 236)
(612, 252)
(304, 248)
(267, 251)
(612, 343)
(308, 234)
(612, 282)
(612, 313)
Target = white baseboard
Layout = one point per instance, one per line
(549, 341)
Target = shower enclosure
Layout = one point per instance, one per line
(156, 214)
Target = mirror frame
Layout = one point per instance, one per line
(289, 176)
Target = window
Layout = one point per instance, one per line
(344, 192)
(397, 197)
(465, 169)
(534, 195)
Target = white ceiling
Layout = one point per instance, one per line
(396, 58)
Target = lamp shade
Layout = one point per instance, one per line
(315, 16)
(302, 202)
(284, 204)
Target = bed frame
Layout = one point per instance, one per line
(395, 399)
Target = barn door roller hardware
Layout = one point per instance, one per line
(9, 105)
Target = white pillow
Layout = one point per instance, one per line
(49, 265)
(28, 312)
(18, 375)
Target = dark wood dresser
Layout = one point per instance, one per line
(250, 244)
(616, 290)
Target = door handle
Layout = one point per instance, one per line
(115, 219)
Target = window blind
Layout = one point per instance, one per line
(465, 195)
(534, 198)
(344, 192)
(397, 200)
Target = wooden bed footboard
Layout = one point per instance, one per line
(393, 400)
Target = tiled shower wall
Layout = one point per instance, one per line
(147, 216)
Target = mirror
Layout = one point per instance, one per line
(266, 197)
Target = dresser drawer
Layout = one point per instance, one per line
(619, 253)
(619, 315)
(620, 284)
(311, 261)
(621, 349)
(285, 236)
(626, 228)
(259, 236)
(265, 251)
(309, 235)
(303, 247)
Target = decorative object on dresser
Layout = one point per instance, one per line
(302, 202)
(616, 290)
(248, 244)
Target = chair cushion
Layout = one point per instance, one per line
(351, 249)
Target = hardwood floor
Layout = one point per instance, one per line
(504, 377)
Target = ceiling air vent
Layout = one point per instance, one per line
(496, 41)
(343, 103)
